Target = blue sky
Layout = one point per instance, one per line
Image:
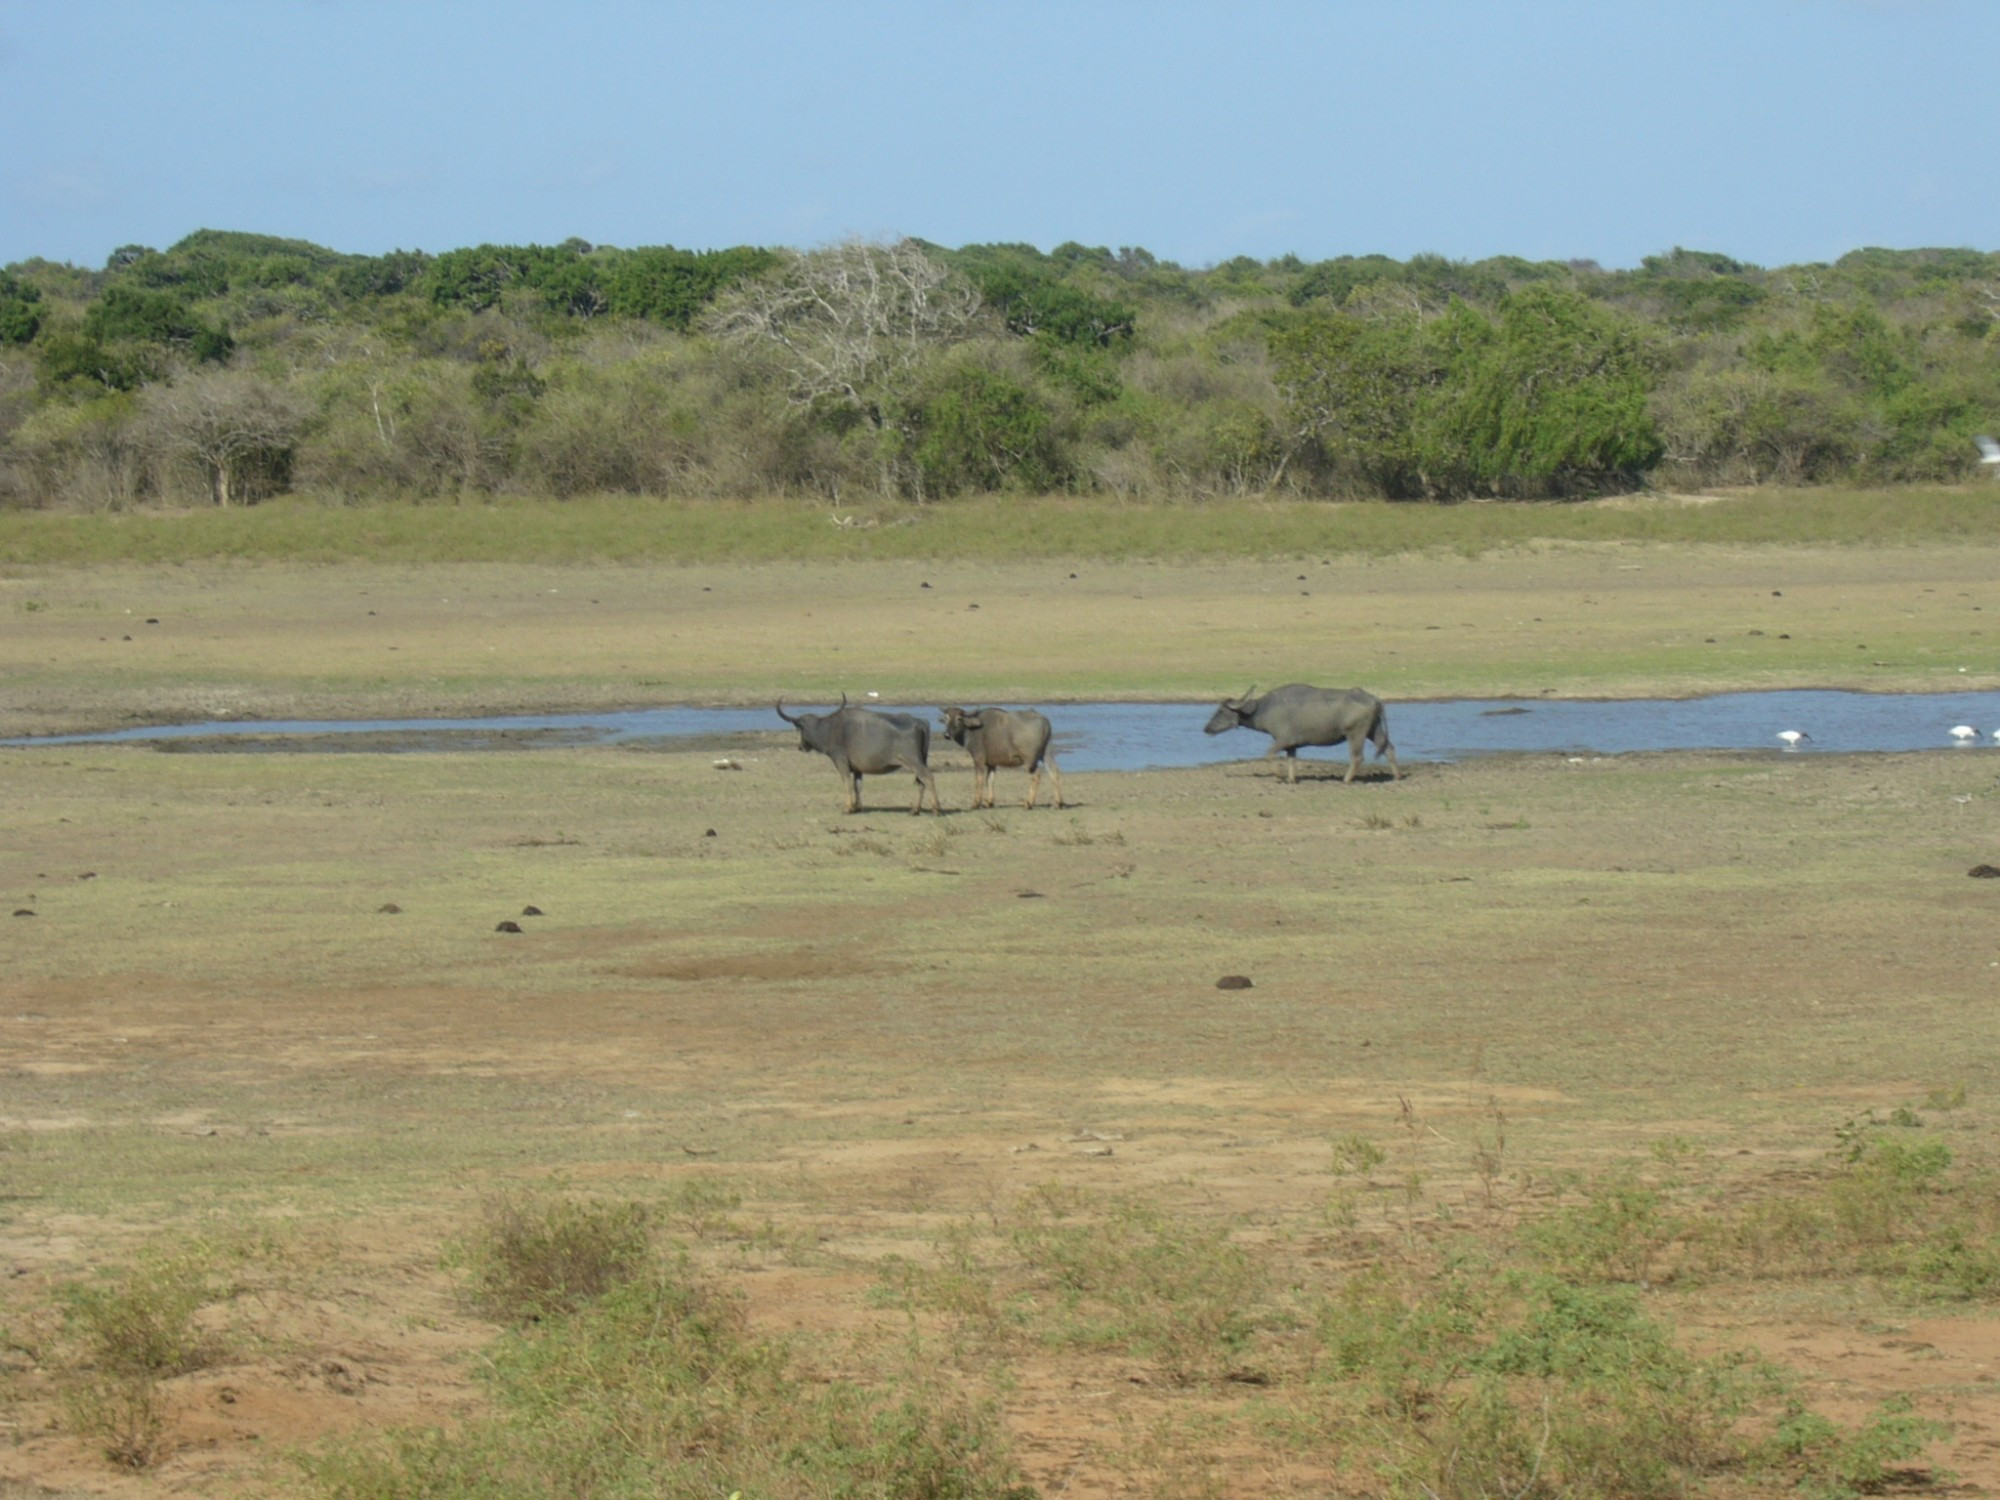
(1774, 132)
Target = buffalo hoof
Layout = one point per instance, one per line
(1234, 982)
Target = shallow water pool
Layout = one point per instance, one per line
(1135, 736)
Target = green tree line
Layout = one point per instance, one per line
(231, 367)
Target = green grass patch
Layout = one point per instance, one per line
(1892, 1207)
(658, 1387)
(1462, 1380)
(628, 529)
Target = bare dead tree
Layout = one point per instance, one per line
(843, 322)
(238, 430)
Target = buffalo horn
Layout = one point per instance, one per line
(782, 714)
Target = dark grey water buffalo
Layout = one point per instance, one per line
(1296, 714)
(861, 742)
(996, 737)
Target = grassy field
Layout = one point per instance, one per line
(994, 529)
(1605, 1126)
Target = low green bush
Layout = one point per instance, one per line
(657, 1388)
(127, 1333)
(543, 1253)
(1131, 1275)
(1613, 1235)
(1833, 1464)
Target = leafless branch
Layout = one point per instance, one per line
(844, 320)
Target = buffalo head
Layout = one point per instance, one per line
(814, 729)
(808, 726)
(958, 723)
(1232, 713)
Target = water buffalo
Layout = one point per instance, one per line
(861, 742)
(1002, 737)
(1297, 714)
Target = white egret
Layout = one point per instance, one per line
(1791, 737)
(1965, 734)
(1989, 452)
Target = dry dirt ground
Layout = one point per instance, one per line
(818, 1043)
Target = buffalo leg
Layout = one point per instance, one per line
(1055, 781)
(925, 781)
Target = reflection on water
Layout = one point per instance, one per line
(1134, 736)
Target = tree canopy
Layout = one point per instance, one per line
(911, 369)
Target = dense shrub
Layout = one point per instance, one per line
(20, 310)
(980, 429)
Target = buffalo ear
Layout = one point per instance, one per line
(973, 721)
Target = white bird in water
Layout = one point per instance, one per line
(1996, 736)
(1791, 737)
(1965, 734)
